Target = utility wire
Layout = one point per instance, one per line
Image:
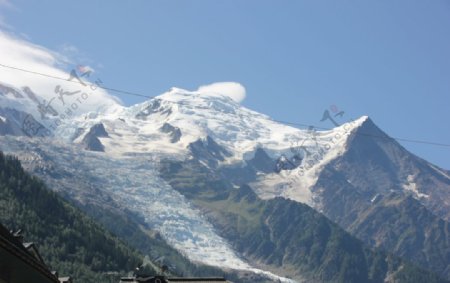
(75, 82)
(368, 135)
(278, 121)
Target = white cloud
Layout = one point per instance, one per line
(75, 55)
(21, 53)
(234, 90)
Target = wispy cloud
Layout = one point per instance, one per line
(76, 56)
(21, 53)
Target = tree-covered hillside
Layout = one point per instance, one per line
(69, 242)
(72, 242)
(287, 236)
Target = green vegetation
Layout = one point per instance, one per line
(285, 235)
(288, 237)
(69, 242)
(405, 227)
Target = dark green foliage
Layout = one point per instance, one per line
(73, 244)
(393, 222)
(286, 235)
(407, 228)
(68, 241)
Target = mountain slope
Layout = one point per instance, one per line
(143, 202)
(387, 166)
(389, 198)
(348, 173)
(73, 244)
(68, 241)
(284, 235)
(420, 236)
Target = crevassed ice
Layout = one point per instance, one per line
(134, 184)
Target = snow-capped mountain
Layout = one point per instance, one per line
(31, 112)
(170, 123)
(116, 156)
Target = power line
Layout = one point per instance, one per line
(278, 121)
(368, 135)
(75, 82)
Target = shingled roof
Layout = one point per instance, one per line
(18, 264)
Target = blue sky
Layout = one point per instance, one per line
(386, 59)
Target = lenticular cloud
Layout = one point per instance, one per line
(234, 90)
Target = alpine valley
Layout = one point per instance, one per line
(194, 179)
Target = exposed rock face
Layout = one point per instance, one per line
(262, 162)
(241, 174)
(208, 151)
(280, 232)
(91, 140)
(18, 123)
(389, 198)
(174, 132)
(6, 89)
(92, 143)
(99, 131)
(154, 107)
(284, 163)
